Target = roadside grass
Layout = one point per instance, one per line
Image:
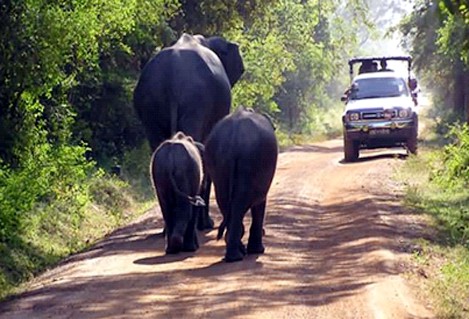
(54, 232)
(445, 258)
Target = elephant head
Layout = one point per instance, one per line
(228, 52)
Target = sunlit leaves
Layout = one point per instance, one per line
(265, 60)
(48, 45)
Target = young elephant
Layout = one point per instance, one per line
(241, 157)
(176, 172)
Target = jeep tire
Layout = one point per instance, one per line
(351, 150)
(412, 141)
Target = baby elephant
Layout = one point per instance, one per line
(176, 172)
(241, 157)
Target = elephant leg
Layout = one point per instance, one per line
(181, 217)
(172, 245)
(155, 135)
(173, 242)
(204, 221)
(235, 250)
(168, 217)
(255, 245)
(191, 242)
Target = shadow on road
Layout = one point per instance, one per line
(314, 149)
(374, 157)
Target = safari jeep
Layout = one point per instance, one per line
(380, 108)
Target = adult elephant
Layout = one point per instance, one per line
(187, 87)
(241, 157)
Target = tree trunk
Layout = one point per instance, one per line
(459, 99)
(466, 94)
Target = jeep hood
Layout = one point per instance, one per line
(380, 103)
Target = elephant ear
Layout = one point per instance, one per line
(228, 52)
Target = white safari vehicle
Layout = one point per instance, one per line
(380, 107)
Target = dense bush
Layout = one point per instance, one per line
(456, 160)
(442, 188)
(455, 168)
(437, 184)
(50, 176)
(451, 175)
(436, 34)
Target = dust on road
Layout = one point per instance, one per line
(336, 239)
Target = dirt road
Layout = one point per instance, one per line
(336, 242)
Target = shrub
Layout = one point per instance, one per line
(455, 162)
(52, 175)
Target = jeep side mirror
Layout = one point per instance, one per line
(344, 98)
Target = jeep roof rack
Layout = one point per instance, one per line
(353, 61)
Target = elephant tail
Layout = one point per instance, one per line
(195, 200)
(174, 116)
(227, 217)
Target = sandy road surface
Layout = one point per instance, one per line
(335, 241)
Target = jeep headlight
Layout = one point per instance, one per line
(354, 116)
(403, 113)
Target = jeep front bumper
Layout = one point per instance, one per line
(380, 133)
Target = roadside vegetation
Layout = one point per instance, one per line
(438, 185)
(438, 178)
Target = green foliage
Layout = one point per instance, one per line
(112, 195)
(453, 39)
(455, 166)
(136, 171)
(292, 59)
(49, 175)
(266, 59)
(441, 189)
(42, 206)
(54, 56)
(448, 204)
(453, 286)
(54, 230)
(437, 35)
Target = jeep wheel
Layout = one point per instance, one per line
(351, 150)
(412, 142)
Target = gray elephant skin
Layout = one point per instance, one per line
(187, 87)
(176, 172)
(241, 158)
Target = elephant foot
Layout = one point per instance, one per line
(230, 259)
(235, 254)
(255, 248)
(170, 251)
(190, 247)
(175, 245)
(205, 223)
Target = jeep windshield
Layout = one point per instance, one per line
(369, 88)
